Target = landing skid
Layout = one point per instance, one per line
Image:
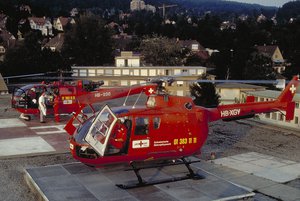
(142, 183)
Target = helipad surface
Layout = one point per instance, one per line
(76, 181)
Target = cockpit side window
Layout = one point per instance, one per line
(141, 126)
(156, 122)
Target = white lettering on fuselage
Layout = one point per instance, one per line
(97, 95)
(229, 113)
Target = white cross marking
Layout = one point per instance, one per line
(150, 90)
(293, 89)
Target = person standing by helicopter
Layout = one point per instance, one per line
(42, 106)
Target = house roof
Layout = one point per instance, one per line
(64, 21)
(38, 20)
(203, 54)
(267, 49)
(56, 42)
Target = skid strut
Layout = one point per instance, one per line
(142, 182)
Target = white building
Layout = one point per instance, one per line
(277, 118)
(127, 59)
(127, 76)
(41, 23)
(128, 71)
(231, 93)
(137, 5)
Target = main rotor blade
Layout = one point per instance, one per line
(239, 81)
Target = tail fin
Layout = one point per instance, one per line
(289, 91)
(286, 97)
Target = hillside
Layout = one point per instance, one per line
(289, 10)
(219, 7)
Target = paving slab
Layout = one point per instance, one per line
(282, 192)
(261, 165)
(11, 123)
(58, 182)
(22, 146)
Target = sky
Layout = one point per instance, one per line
(277, 3)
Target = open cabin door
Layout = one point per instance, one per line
(100, 130)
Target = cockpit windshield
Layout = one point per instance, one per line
(99, 132)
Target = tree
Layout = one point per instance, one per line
(88, 42)
(259, 67)
(30, 58)
(161, 51)
(204, 94)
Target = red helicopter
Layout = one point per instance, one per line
(66, 97)
(166, 128)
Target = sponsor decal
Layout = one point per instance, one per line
(229, 113)
(162, 143)
(136, 144)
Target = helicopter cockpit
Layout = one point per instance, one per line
(26, 96)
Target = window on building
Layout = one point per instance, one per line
(108, 72)
(160, 72)
(200, 71)
(274, 116)
(296, 120)
(268, 115)
(152, 72)
(192, 71)
(117, 72)
(92, 72)
(124, 83)
(136, 72)
(125, 71)
(177, 72)
(297, 104)
(75, 73)
(100, 71)
(133, 82)
(82, 72)
(281, 117)
(261, 99)
(141, 126)
(144, 72)
(184, 72)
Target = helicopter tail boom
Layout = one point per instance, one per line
(284, 102)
